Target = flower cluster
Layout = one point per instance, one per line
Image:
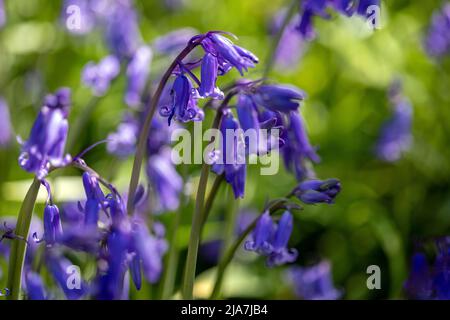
(430, 281)
(437, 42)
(221, 55)
(122, 243)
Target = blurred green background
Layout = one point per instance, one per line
(383, 209)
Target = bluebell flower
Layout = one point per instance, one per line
(280, 98)
(271, 239)
(5, 124)
(110, 280)
(311, 8)
(318, 191)
(396, 137)
(77, 235)
(209, 72)
(247, 112)
(98, 77)
(441, 278)
(314, 283)
(45, 146)
(281, 254)
(184, 102)
(2, 14)
(94, 199)
(437, 42)
(52, 224)
(419, 284)
(248, 119)
(34, 286)
(122, 31)
(166, 183)
(173, 42)
(297, 148)
(262, 235)
(231, 157)
(138, 71)
(122, 143)
(430, 281)
(150, 249)
(59, 266)
(228, 54)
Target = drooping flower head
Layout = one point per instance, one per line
(45, 146)
(52, 224)
(184, 102)
(150, 249)
(94, 199)
(437, 42)
(270, 239)
(282, 98)
(98, 77)
(5, 124)
(228, 55)
(297, 149)
(231, 156)
(221, 55)
(318, 191)
(314, 283)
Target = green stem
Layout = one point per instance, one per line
(194, 240)
(142, 141)
(197, 219)
(211, 197)
(18, 247)
(233, 205)
(270, 61)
